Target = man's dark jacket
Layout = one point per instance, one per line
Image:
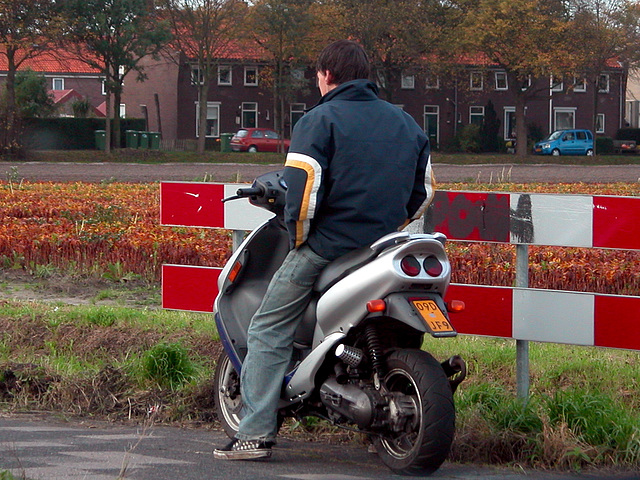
(357, 169)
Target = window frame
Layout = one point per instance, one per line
(479, 113)
(407, 81)
(57, 79)
(473, 83)
(216, 106)
(247, 69)
(225, 68)
(497, 81)
(607, 78)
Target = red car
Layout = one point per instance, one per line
(257, 140)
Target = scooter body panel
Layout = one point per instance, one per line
(344, 305)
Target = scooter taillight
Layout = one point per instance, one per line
(432, 266)
(410, 266)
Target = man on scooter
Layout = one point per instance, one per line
(358, 168)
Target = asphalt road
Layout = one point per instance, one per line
(46, 448)
(231, 173)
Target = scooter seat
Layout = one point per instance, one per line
(343, 266)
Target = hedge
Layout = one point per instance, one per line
(70, 133)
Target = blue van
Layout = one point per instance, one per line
(566, 142)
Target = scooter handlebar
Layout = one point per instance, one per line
(245, 192)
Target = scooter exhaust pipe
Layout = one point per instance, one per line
(352, 356)
(455, 369)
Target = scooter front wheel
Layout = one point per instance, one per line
(228, 399)
(421, 387)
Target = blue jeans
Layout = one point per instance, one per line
(270, 342)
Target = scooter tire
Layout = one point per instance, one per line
(421, 451)
(227, 396)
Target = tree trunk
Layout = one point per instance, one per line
(521, 127)
(594, 119)
(117, 100)
(10, 131)
(202, 113)
(107, 123)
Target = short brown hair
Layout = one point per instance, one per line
(345, 60)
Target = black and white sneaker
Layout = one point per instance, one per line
(244, 450)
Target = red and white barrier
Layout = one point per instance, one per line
(197, 204)
(548, 316)
(538, 219)
(523, 314)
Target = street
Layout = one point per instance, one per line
(245, 173)
(45, 447)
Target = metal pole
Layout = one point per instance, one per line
(522, 346)
(236, 239)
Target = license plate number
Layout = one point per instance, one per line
(431, 313)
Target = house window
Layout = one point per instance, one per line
(197, 76)
(600, 123)
(564, 118)
(251, 76)
(509, 123)
(296, 111)
(476, 81)
(431, 124)
(476, 115)
(501, 80)
(579, 84)
(224, 74)
(603, 83)
(58, 84)
(123, 110)
(526, 85)
(249, 115)
(557, 85)
(212, 128)
(432, 82)
(408, 82)
(297, 74)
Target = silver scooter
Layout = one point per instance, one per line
(357, 358)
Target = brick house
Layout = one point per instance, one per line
(238, 99)
(67, 79)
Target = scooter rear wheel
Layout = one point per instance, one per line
(228, 399)
(425, 442)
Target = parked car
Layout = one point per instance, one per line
(257, 140)
(566, 142)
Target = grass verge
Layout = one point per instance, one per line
(123, 363)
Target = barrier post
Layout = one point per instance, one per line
(522, 346)
(237, 237)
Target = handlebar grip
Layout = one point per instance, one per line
(250, 192)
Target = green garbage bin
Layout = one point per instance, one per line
(225, 142)
(131, 138)
(143, 139)
(101, 139)
(154, 140)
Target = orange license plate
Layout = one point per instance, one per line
(431, 314)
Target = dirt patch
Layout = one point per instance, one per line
(17, 284)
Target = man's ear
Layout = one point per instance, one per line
(330, 78)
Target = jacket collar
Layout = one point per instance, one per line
(355, 90)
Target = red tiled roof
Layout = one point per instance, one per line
(58, 61)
